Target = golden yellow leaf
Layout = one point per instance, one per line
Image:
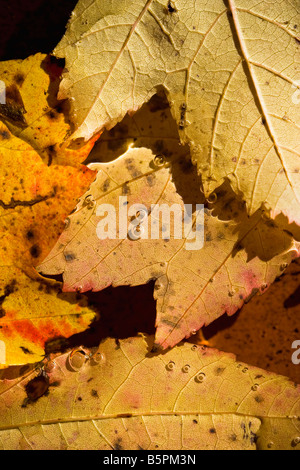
(33, 312)
(34, 200)
(231, 74)
(36, 195)
(44, 122)
(126, 397)
(193, 286)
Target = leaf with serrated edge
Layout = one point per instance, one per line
(192, 288)
(205, 400)
(230, 73)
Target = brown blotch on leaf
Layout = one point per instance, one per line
(37, 387)
(4, 135)
(124, 415)
(151, 180)
(30, 235)
(19, 79)
(51, 153)
(117, 444)
(105, 185)
(35, 251)
(219, 370)
(69, 257)
(125, 189)
(258, 399)
(94, 393)
(25, 350)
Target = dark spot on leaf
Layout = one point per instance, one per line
(125, 189)
(5, 135)
(151, 180)
(51, 153)
(219, 370)
(117, 444)
(212, 431)
(25, 350)
(19, 79)
(35, 251)
(94, 393)
(105, 185)
(69, 257)
(37, 387)
(258, 399)
(30, 235)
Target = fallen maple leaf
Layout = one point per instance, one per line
(230, 72)
(192, 288)
(125, 397)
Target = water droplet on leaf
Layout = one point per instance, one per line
(159, 160)
(170, 365)
(76, 359)
(200, 377)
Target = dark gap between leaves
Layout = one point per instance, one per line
(32, 26)
(124, 312)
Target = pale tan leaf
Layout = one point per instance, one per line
(231, 74)
(125, 397)
(193, 287)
